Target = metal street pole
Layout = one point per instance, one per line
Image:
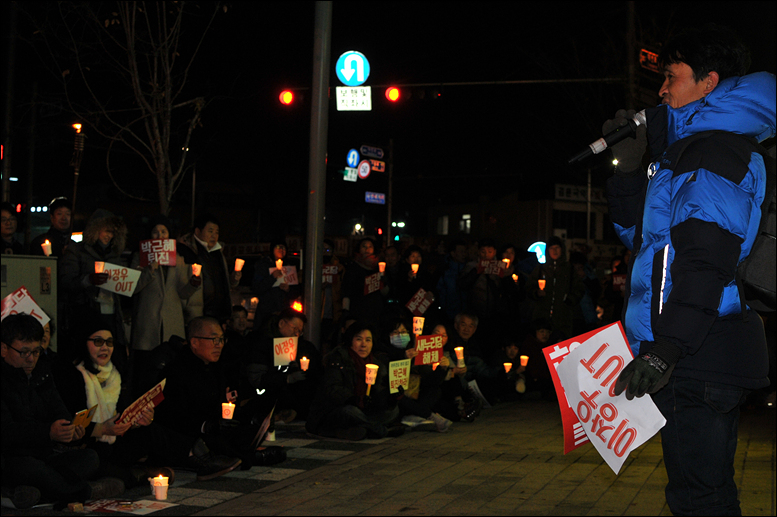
(319, 120)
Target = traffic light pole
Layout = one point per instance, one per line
(319, 121)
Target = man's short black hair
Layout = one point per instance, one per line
(196, 325)
(239, 308)
(707, 49)
(21, 327)
(487, 242)
(202, 221)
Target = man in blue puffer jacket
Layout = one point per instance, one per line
(689, 222)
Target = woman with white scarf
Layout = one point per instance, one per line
(92, 380)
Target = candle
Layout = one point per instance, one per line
(414, 267)
(460, 356)
(304, 363)
(369, 375)
(508, 366)
(279, 264)
(227, 410)
(99, 267)
(196, 269)
(541, 283)
(506, 261)
(382, 267)
(46, 247)
(524, 360)
(418, 325)
(239, 264)
(254, 302)
(434, 366)
(515, 277)
(160, 487)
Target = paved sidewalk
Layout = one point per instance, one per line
(509, 462)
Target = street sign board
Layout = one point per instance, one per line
(352, 68)
(351, 174)
(364, 169)
(372, 152)
(353, 158)
(377, 198)
(378, 166)
(357, 98)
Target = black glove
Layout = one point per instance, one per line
(195, 281)
(401, 391)
(98, 278)
(297, 376)
(648, 372)
(628, 151)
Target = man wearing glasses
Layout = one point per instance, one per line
(35, 423)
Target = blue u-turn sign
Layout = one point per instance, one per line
(353, 158)
(352, 68)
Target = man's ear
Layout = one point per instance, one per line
(3, 349)
(712, 81)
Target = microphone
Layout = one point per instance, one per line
(611, 138)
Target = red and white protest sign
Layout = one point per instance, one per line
(284, 350)
(152, 398)
(289, 275)
(121, 280)
(161, 251)
(399, 375)
(429, 349)
(22, 302)
(492, 267)
(420, 302)
(615, 425)
(330, 274)
(372, 283)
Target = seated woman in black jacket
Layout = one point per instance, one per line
(92, 380)
(342, 408)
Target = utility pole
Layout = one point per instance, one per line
(10, 38)
(319, 121)
(631, 39)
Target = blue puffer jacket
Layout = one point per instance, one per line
(691, 223)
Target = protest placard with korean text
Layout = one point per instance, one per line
(492, 267)
(22, 302)
(284, 350)
(614, 424)
(372, 283)
(420, 302)
(152, 398)
(399, 375)
(121, 280)
(161, 251)
(330, 274)
(289, 275)
(429, 349)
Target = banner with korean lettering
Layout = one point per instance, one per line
(161, 251)
(121, 280)
(420, 302)
(284, 350)
(399, 375)
(372, 283)
(330, 274)
(21, 301)
(429, 349)
(615, 425)
(289, 275)
(492, 267)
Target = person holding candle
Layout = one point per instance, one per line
(410, 281)
(342, 408)
(60, 231)
(363, 286)
(455, 402)
(511, 295)
(511, 381)
(104, 240)
(539, 382)
(562, 293)
(274, 294)
(157, 305)
(8, 229)
(332, 296)
(92, 380)
(202, 246)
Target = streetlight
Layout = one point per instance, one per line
(75, 161)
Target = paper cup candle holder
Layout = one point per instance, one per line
(196, 269)
(508, 366)
(239, 264)
(459, 356)
(46, 247)
(99, 267)
(418, 325)
(382, 267)
(370, 374)
(227, 410)
(524, 360)
(304, 363)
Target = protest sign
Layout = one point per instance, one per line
(492, 267)
(429, 349)
(372, 283)
(139, 507)
(284, 350)
(121, 280)
(420, 302)
(399, 375)
(84, 417)
(22, 302)
(330, 274)
(289, 275)
(614, 424)
(161, 251)
(574, 435)
(152, 398)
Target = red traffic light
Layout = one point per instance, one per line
(286, 97)
(392, 93)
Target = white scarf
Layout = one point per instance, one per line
(102, 389)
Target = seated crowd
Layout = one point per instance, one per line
(184, 330)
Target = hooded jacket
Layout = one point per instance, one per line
(690, 222)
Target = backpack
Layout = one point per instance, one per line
(756, 277)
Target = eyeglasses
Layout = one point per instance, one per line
(220, 340)
(26, 353)
(99, 342)
(297, 331)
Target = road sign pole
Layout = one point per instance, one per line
(389, 196)
(319, 121)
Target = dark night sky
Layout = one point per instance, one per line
(472, 140)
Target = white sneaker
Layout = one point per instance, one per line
(442, 423)
(412, 420)
(520, 385)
